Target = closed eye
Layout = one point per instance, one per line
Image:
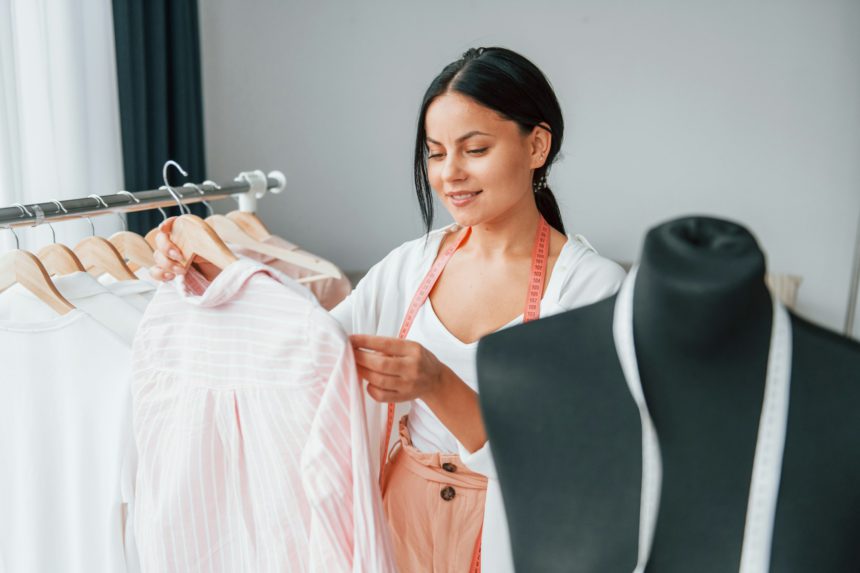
(478, 151)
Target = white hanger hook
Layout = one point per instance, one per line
(59, 205)
(59, 208)
(136, 202)
(101, 203)
(183, 210)
(17, 244)
(167, 164)
(40, 220)
(53, 234)
(24, 212)
(202, 192)
(130, 196)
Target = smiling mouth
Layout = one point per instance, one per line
(462, 196)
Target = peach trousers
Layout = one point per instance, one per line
(435, 509)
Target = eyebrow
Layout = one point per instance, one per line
(462, 137)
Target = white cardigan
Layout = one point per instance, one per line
(379, 302)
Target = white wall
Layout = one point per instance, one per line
(746, 110)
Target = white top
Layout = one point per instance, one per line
(66, 425)
(136, 293)
(142, 273)
(86, 294)
(379, 303)
(767, 463)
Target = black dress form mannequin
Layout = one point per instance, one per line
(566, 432)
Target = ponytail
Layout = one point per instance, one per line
(548, 207)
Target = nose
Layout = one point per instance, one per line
(453, 170)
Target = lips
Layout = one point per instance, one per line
(462, 198)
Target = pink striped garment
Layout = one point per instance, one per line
(251, 433)
(329, 292)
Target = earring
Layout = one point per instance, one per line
(540, 183)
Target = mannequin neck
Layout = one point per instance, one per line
(700, 287)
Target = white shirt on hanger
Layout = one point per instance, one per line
(142, 273)
(379, 303)
(86, 294)
(65, 419)
(136, 293)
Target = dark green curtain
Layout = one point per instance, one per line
(160, 96)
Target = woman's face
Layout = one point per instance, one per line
(479, 163)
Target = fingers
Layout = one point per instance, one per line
(380, 380)
(168, 258)
(384, 344)
(159, 275)
(380, 387)
(170, 251)
(376, 362)
(385, 396)
(164, 267)
(163, 243)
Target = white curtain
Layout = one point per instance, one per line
(59, 111)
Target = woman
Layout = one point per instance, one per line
(489, 129)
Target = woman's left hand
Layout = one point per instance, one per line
(397, 370)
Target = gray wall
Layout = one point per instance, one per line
(747, 110)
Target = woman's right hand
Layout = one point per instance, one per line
(168, 257)
(169, 261)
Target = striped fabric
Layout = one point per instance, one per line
(251, 433)
(329, 292)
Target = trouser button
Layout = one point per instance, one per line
(448, 493)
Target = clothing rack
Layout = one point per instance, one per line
(247, 188)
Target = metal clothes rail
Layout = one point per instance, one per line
(247, 187)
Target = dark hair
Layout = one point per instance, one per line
(510, 85)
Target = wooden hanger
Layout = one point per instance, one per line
(150, 238)
(132, 246)
(195, 238)
(251, 224)
(232, 233)
(134, 249)
(58, 259)
(25, 269)
(99, 256)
